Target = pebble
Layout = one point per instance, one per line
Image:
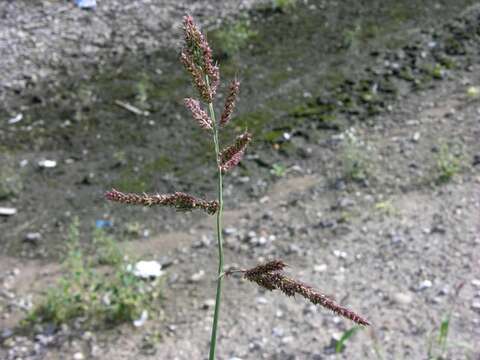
(197, 276)
(141, 320)
(287, 339)
(320, 268)
(476, 283)
(147, 269)
(47, 164)
(209, 303)
(261, 300)
(476, 305)
(425, 284)
(15, 119)
(6, 333)
(340, 254)
(278, 332)
(5, 211)
(403, 298)
(78, 356)
(229, 231)
(397, 239)
(33, 237)
(345, 203)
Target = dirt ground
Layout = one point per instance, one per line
(393, 247)
(396, 265)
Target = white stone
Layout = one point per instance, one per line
(425, 284)
(4, 211)
(209, 303)
(320, 268)
(147, 269)
(197, 276)
(15, 119)
(78, 356)
(47, 164)
(403, 298)
(141, 320)
(476, 283)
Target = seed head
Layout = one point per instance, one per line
(197, 76)
(230, 102)
(232, 155)
(198, 114)
(271, 277)
(198, 60)
(178, 200)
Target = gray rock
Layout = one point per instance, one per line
(199, 275)
(6, 333)
(33, 237)
(403, 298)
(320, 268)
(209, 303)
(476, 283)
(476, 305)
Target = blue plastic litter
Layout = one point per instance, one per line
(86, 4)
(102, 224)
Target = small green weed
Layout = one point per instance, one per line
(232, 37)
(447, 165)
(278, 170)
(340, 345)
(10, 180)
(355, 165)
(106, 249)
(283, 5)
(386, 208)
(100, 297)
(142, 89)
(438, 348)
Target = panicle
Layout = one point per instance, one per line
(233, 154)
(198, 60)
(178, 200)
(230, 102)
(271, 277)
(198, 114)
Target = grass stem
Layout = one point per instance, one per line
(216, 314)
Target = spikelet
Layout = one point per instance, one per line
(198, 114)
(230, 102)
(198, 60)
(233, 154)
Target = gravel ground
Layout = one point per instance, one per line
(42, 39)
(394, 254)
(393, 247)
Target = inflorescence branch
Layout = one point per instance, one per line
(178, 200)
(271, 277)
(233, 154)
(229, 106)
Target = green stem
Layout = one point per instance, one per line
(213, 339)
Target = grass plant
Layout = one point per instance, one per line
(196, 56)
